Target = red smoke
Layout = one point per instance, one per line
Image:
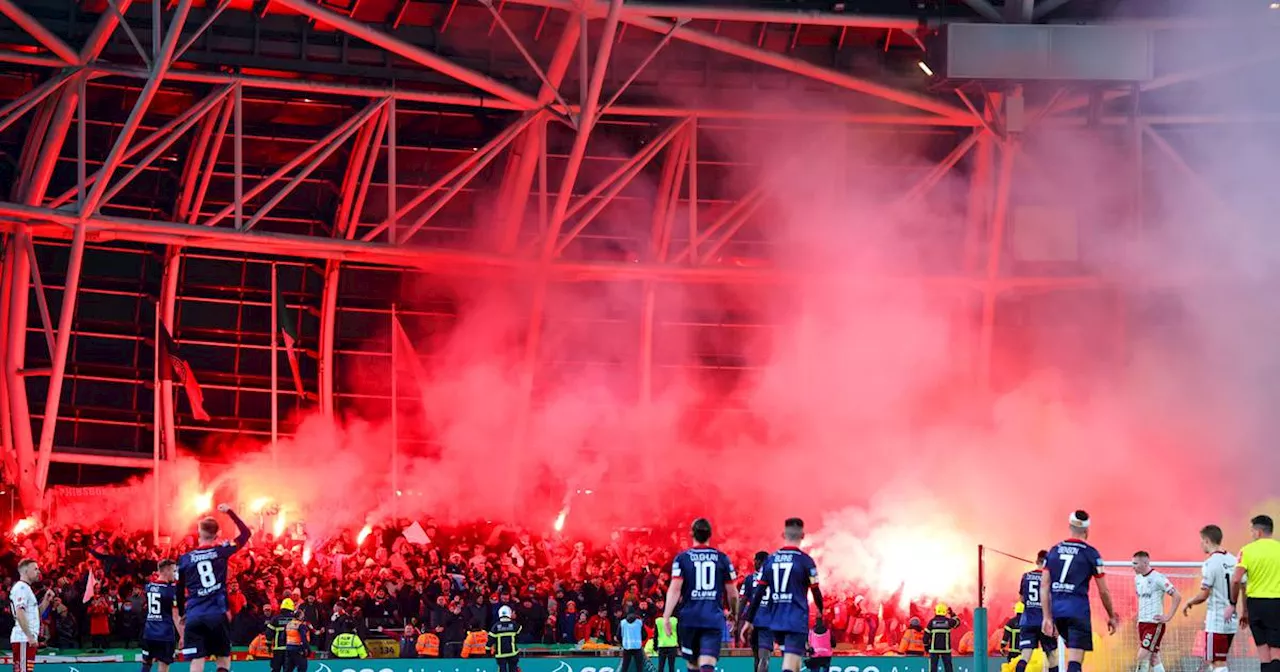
(848, 394)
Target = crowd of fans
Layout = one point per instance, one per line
(563, 592)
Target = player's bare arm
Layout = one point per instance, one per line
(1237, 580)
(1046, 607)
(1104, 594)
(21, 616)
(731, 601)
(1200, 598)
(673, 596)
(817, 601)
(1175, 598)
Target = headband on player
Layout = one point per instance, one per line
(1076, 522)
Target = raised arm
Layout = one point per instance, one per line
(242, 537)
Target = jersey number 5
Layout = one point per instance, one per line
(1033, 592)
(204, 569)
(704, 575)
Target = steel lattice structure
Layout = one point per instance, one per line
(172, 156)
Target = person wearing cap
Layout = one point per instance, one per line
(1069, 568)
(289, 640)
(502, 640)
(1259, 570)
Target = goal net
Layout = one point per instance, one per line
(1182, 649)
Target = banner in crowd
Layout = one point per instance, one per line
(580, 664)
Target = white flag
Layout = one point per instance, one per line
(414, 534)
(90, 587)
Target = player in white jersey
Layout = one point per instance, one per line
(25, 636)
(1215, 593)
(1152, 587)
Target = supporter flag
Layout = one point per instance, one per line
(289, 338)
(90, 587)
(173, 367)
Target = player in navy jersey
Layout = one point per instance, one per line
(1029, 633)
(789, 575)
(701, 587)
(749, 587)
(160, 630)
(203, 598)
(1069, 568)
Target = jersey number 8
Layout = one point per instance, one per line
(204, 569)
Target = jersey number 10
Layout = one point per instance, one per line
(704, 575)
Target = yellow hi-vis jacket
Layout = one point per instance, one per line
(348, 645)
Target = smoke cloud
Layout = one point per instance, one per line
(849, 393)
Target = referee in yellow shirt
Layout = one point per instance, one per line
(1259, 570)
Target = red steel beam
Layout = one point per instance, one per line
(411, 52)
(634, 10)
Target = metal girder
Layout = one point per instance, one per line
(90, 198)
(411, 52)
(985, 9)
(524, 158)
(801, 67)
(41, 34)
(712, 12)
(303, 86)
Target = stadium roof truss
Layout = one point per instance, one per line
(351, 134)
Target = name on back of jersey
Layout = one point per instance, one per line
(202, 560)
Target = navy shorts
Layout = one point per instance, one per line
(695, 642)
(792, 642)
(1076, 632)
(1030, 637)
(158, 651)
(208, 637)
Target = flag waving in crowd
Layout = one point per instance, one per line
(288, 336)
(173, 367)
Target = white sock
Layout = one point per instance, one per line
(1144, 665)
(1220, 669)
(1158, 668)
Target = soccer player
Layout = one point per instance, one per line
(1029, 634)
(789, 575)
(701, 586)
(1259, 570)
(25, 637)
(749, 587)
(1151, 587)
(203, 599)
(160, 630)
(1219, 630)
(1069, 568)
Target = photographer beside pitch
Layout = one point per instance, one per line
(1259, 570)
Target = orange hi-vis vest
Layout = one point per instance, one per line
(428, 645)
(912, 643)
(476, 644)
(258, 647)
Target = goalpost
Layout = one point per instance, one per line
(1182, 648)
